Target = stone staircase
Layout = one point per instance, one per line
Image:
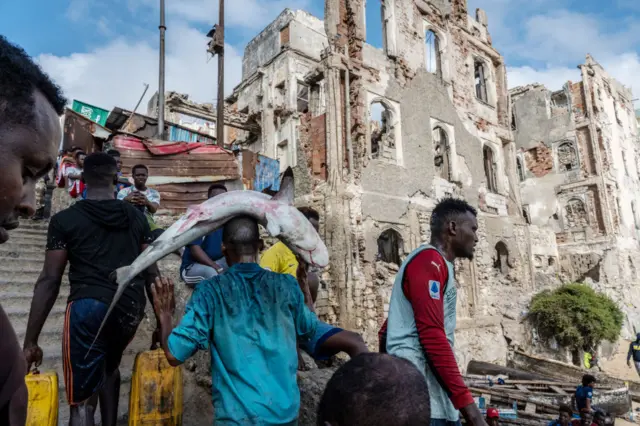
(22, 258)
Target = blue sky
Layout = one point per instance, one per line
(103, 52)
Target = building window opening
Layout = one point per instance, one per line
(520, 169)
(283, 155)
(432, 53)
(514, 126)
(526, 215)
(381, 130)
(303, 98)
(489, 168)
(501, 261)
(390, 246)
(576, 214)
(480, 75)
(441, 153)
(374, 26)
(567, 157)
(559, 103)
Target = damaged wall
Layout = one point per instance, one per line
(578, 151)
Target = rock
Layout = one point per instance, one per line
(312, 384)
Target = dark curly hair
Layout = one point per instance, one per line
(375, 389)
(445, 210)
(19, 77)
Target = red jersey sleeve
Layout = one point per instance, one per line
(424, 285)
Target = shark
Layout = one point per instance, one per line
(276, 213)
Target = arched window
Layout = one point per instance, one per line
(576, 214)
(390, 245)
(441, 153)
(489, 168)
(381, 129)
(567, 157)
(480, 76)
(501, 262)
(432, 53)
(520, 169)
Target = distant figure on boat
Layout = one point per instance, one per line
(493, 416)
(564, 417)
(584, 393)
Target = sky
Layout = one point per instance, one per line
(103, 52)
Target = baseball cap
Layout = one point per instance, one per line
(492, 413)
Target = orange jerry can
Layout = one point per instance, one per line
(156, 391)
(43, 398)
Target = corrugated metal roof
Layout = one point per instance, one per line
(183, 178)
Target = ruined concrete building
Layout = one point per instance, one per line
(377, 136)
(578, 162)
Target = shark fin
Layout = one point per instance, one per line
(286, 193)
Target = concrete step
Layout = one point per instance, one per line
(20, 267)
(16, 283)
(17, 248)
(19, 316)
(33, 225)
(28, 234)
(33, 262)
(22, 230)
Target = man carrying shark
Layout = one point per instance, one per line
(250, 320)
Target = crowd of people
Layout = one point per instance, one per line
(252, 309)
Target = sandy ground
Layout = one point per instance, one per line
(617, 367)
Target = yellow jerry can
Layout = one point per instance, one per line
(43, 398)
(156, 391)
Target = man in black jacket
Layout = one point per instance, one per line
(96, 236)
(634, 352)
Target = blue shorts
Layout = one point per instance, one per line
(84, 370)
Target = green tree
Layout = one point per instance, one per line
(576, 316)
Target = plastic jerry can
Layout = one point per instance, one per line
(43, 398)
(156, 391)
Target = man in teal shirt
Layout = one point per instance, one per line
(250, 319)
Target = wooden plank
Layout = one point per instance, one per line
(530, 408)
(196, 197)
(188, 172)
(181, 161)
(558, 390)
(523, 388)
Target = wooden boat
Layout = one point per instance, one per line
(552, 369)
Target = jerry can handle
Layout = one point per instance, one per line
(35, 370)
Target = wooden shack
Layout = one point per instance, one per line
(182, 172)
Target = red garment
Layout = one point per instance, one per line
(429, 265)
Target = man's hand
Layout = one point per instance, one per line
(163, 299)
(629, 363)
(131, 198)
(472, 415)
(301, 272)
(33, 355)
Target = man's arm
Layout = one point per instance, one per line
(199, 255)
(345, 341)
(152, 201)
(303, 282)
(424, 285)
(630, 353)
(44, 297)
(192, 334)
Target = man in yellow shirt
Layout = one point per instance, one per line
(279, 258)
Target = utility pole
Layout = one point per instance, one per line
(216, 47)
(162, 28)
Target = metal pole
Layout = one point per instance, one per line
(220, 107)
(124, 126)
(161, 80)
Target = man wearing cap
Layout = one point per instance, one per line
(492, 416)
(634, 352)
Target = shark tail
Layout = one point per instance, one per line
(123, 277)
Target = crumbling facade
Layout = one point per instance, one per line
(378, 136)
(578, 161)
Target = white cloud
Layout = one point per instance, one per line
(248, 14)
(114, 75)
